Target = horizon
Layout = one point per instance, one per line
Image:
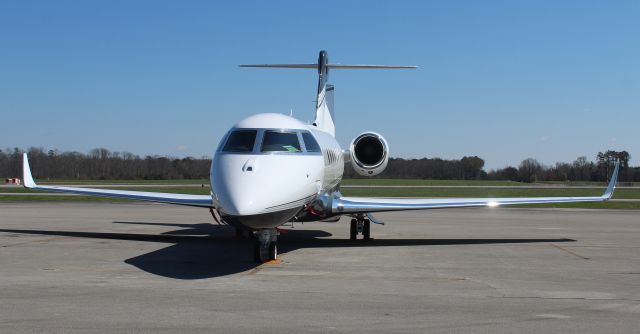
(208, 157)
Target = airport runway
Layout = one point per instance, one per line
(102, 267)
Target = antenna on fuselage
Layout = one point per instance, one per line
(324, 119)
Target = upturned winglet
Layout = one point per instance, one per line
(612, 183)
(27, 179)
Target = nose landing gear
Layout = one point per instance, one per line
(266, 246)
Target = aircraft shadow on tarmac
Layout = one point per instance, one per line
(201, 251)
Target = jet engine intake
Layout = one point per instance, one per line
(369, 154)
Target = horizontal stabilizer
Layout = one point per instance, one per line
(365, 67)
(313, 66)
(331, 66)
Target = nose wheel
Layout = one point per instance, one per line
(266, 247)
(360, 225)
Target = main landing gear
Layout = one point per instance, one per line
(266, 246)
(360, 225)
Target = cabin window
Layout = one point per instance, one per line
(240, 141)
(310, 143)
(276, 141)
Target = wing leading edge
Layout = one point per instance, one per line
(181, 199)
(371, 204)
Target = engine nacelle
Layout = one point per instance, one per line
(369, 154)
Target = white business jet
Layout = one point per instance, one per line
(270, 169)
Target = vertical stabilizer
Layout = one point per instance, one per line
(324, 119)
(325, 115)
(324, 111)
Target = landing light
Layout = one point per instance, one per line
(493, 204)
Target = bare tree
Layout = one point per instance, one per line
(529, 170)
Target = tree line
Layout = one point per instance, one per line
(581, 169)
(529, 170)
(103, 164)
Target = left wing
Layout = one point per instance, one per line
(346, 205)
(181, 199)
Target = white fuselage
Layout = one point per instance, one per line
(261, 186)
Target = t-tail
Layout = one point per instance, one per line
(325, 114)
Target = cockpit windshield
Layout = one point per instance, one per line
(310, 143)
(240, 141)
(269, 141)
(278, 141)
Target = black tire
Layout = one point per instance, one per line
(257, 256)
(353, 235)
(366, 230)
(273, 251)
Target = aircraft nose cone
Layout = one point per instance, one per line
(236, 184)
(238, 203)
(250, 185)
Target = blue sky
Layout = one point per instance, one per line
(504, 80)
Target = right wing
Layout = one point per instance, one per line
(181, 199)
(347, 205)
